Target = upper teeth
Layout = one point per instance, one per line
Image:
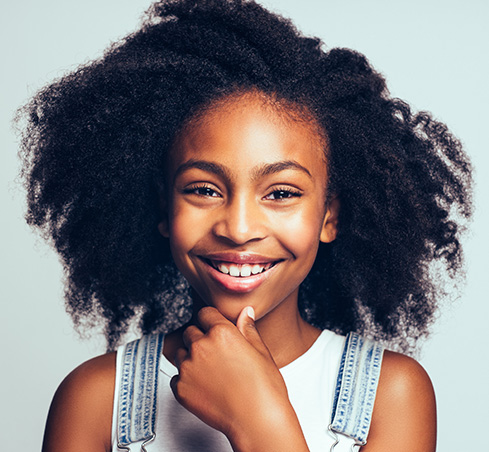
(242, 270)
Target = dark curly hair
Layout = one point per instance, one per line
(94, 149)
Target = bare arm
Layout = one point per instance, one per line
(404, 417)
(80, 416)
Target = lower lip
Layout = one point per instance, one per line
(239, 284)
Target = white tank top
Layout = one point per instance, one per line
(310, 380)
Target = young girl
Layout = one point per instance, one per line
(298, 200)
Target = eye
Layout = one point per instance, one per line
(201, 190)
(283, 193)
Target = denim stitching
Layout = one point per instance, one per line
(138, 392)
(356, 388)
(126, 393)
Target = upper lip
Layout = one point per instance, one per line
(239, 258)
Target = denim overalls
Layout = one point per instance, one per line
(353, 404)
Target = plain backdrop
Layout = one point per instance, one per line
(433, 53)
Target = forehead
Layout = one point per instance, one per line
(242, 132)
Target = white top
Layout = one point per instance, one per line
(310, 380)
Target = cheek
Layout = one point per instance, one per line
(182, 230)
(300, 233)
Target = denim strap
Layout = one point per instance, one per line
(356, 387)
(138, 390)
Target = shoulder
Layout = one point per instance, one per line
(403, 377)
(404, 417)
(80, 416)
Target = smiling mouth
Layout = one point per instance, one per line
(240, 270)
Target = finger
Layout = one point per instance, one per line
(246, 320)
(173, 386)
(180, 356)
(209, 316)
(246, 326)
(190, 335)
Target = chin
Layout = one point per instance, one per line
(230, 312)
(230, 307)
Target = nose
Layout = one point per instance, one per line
(240, 221)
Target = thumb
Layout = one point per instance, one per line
(246, 326)
(246, 320)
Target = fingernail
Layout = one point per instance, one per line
(250, 312)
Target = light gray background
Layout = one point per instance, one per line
(434, 54)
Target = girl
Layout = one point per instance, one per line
(298, 200)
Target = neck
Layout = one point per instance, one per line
(286, 334)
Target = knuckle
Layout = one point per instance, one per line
(187, 335)
(180, 356)
(221, 331)
(196, 347)
(205, 311)
(184, 368)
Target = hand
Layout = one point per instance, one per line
(229, 380)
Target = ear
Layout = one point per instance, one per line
(163, 228)
(330, 223)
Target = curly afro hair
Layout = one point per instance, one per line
(95, 144)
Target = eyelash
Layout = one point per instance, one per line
(200, 190)
(279, 193)
(287, 191)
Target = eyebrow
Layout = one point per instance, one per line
(204, 165)
(261, 171)
(272, 168)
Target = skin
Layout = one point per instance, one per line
(248, 178)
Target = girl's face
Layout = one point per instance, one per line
(247, 207)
